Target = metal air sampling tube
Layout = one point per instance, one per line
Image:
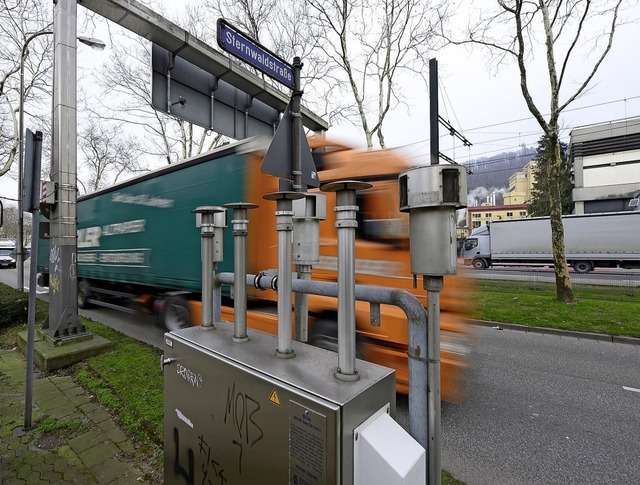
(346, 225)
(284, 226)
(207, 235)
(240, 231)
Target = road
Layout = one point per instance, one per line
(545, 409)
(540, 409)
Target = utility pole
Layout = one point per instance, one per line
(63, 306)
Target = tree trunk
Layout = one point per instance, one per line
(564, 290)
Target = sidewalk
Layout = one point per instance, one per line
(91, 450)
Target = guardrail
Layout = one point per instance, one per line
(622, 286)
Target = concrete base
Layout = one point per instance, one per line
(50, 354)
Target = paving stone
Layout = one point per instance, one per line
(110, 470)
(34, 478)
(24, 470)
(79, 400)
(98, 454)
(14, 481)
(126, 446)
(69, 458)
(26, 457)
(50, 476)
(127, 480)
(100, 416)
(86, 440)
(63, 382)
(48, 405)
(115, 434)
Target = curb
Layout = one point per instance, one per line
(616, 339)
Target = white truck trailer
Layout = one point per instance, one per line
(608, 240)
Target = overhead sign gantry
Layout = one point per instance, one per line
(141, 20)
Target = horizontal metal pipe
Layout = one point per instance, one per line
(417, 348)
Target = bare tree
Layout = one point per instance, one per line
(125, 79)
(568, 32)
(19, 20)
(372, 43)
(109, 154)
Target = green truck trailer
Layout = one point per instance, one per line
(138, 243)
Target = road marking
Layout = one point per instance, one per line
(632, 389)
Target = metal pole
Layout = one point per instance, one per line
(284, 226)
(31, 328)
(207, 235)
(434, 132)
(63, 305)
(297, 125)
(434, 285)
(346, 225)
(240, 231)
(20, 242)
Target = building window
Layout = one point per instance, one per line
(523, 214)
(509, 214)
(488, 215)
(476, 224)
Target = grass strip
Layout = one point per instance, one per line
(128, 381)
(491, 302)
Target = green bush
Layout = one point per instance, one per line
(14, 305)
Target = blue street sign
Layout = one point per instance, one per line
(244, 47)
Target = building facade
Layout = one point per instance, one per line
(485, 214)
(606, 164)
(521, 185)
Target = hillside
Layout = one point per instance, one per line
(491, 174)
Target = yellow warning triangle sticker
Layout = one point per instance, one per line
(274, 398)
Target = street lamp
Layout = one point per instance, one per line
(94, 44)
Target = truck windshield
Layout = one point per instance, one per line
(469, 244)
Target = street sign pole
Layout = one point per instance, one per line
(297, 125)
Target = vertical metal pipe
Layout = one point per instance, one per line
(301, 307)
(434, 285)
(240, 231)
(346, 282)
(31, 328)
(284, 278)
(207, 234)
(240, 290)
(346, 225)
(418, 381)
(297, 125)
(284, 226)
(434, 131)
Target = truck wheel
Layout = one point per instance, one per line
(84, 293)
(324, 334)
(175, 313)
(582, 266)
(479, 264)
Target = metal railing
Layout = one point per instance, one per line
(615, 286)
